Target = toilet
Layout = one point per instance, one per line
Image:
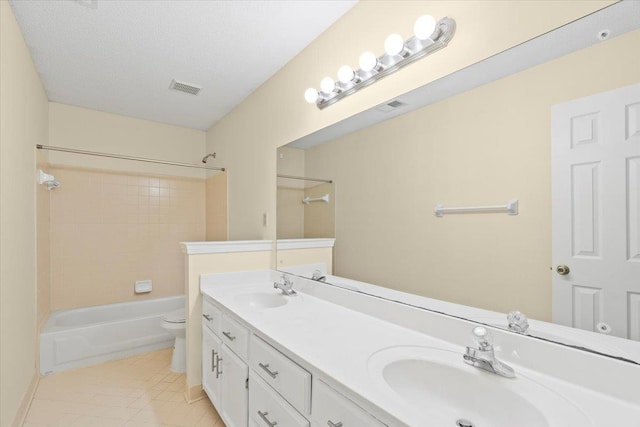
(174, 323)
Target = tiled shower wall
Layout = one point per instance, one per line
(109, 229)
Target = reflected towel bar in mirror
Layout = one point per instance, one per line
(511, 208)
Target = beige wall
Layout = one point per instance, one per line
(481, 147)
(207, 264)
(291, 162)
(216, 207)
(109, 229)
(290, 213)
(23, 124)
(91, 130)
(277, 111)
(289, 210)
(43, 244)
(293, 257)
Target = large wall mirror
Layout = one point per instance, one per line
(305, 205)
(554, 124)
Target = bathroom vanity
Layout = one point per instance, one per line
(336, 357)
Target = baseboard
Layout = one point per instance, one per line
(193, 394)
(21, 414)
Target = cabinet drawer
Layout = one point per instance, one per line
(211, 317)
(266, 407)
(235, 336)
(288, 378)
(330, 408)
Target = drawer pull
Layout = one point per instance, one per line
(208, 317)
(218, 371)
(332, 424)
(271, 373)
(263, 415)
(228, 335)
(213, 360)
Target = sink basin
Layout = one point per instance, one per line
(261, 299)
(435, 384)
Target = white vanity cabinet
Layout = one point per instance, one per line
(267, 408)
(252, 383)
(235, 384)
(211, 381)
(287, 377)
(225, 374)
(211, 317)
(331, 408)
(234, 335)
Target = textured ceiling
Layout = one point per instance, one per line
(120, 56)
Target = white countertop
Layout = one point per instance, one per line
(338, 343)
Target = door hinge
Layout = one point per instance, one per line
(246, 383)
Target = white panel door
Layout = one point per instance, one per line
(235, 383)
(596, 212)
(211, 380)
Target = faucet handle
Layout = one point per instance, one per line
(517, 322)
(483, 337)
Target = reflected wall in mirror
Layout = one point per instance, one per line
(483, 146)
(305, 204)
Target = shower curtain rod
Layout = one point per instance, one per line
(117, 156)
(305, 179)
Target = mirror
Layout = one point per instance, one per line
(479, 138)
(305, 205)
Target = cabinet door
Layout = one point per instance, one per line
(268, 408)
(235, 398)
(211, 377)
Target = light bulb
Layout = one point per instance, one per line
(424, 27)
(311, 95)
(368, 61)
(394, 44)
(345, 74)
(327, 85)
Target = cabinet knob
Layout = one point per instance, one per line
(208, 317)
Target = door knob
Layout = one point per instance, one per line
(563, 270)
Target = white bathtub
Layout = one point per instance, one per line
(86, 336)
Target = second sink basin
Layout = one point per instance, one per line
(437, 385)
(261, 299)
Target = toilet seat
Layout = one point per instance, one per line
(176, 316)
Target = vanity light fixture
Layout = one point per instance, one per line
(429, 37)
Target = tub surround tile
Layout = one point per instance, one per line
(110, 229)
(137, 391)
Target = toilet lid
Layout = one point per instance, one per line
(174, 317)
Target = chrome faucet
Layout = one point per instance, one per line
(518, 322)
(286, 286)
(484, 357)
(318, 276)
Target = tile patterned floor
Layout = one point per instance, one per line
(138, 391)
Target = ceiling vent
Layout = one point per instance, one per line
(184, 87)
(385, 108)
